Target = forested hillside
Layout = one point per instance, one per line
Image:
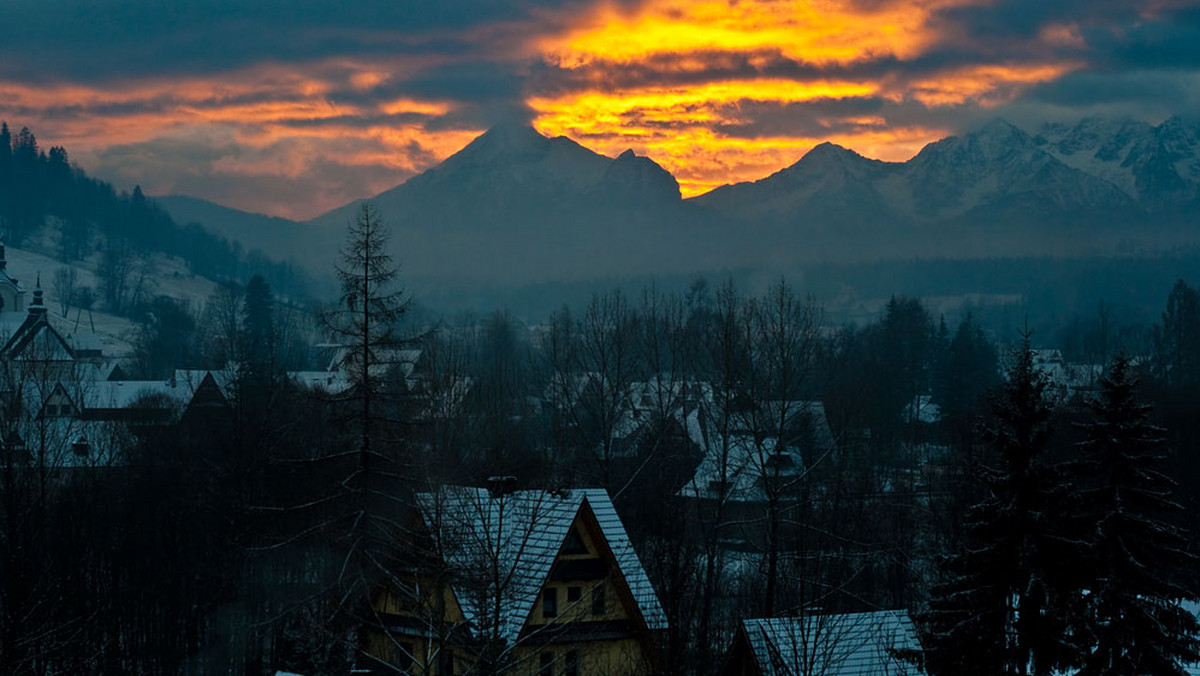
(49, 203)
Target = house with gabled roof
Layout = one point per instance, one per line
(880, 643)
(524, 582)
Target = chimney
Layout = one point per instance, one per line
(501, 485)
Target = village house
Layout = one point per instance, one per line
(535, 582)
(882, 643)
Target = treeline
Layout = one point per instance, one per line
(40, 190)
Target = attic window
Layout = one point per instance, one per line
(573, 544)
(550, 602)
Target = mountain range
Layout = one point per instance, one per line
(516, 207)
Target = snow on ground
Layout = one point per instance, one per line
(162, 275)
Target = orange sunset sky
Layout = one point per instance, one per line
(294, 108)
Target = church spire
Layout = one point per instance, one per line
(37, 307)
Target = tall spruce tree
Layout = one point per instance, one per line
(372, 493)
(966, 373)
(1002, 605)
(366, 320)
(1138, 558)
(258, 332)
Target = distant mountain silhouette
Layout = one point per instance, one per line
(516, 207)
(253, 231)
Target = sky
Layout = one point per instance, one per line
(294, 107)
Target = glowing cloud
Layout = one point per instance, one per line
(812, 31)
(658, 79)
(358, 99)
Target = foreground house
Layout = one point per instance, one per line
(520, 582)
(852, 644)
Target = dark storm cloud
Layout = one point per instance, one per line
(86, 41)
(1168, 42)
(1011, 19)
(821, 117)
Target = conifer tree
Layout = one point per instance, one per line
(1137, 556)
(1002, 606)
(968, 370)
(366, 318)
(5, 150)
(258, 328)
(1177, 339)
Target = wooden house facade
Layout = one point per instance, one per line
(525, 582)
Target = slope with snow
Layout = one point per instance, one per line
(158, 275)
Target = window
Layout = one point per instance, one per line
(547, 665)
(550, 602)
(573, 594)
(445, 663)
(599, 606)
(571, 663)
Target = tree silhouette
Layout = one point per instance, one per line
(1002, 605)
(1138, 558)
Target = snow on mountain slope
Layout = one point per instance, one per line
(514, 206)
(996, 168)
(163, 276)
(1159, 166)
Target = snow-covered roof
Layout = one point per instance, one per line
(34, 339)
(114, 394)
(85, 341)
(382, 359)
(331, 382)
(851, 644)
(1194, 608)
(736, 464)
(521, 534)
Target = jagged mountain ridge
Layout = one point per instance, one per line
(519, 206)
(514, 206)
(1157, 166)
(998, 171)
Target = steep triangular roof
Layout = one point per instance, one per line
(36, 340)
(515, 538)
